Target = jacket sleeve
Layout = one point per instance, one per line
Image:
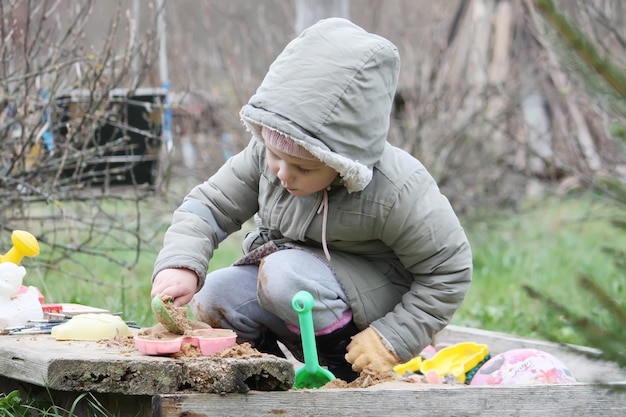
(211, 212)
(426, 235)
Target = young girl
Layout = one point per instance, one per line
(340, 212)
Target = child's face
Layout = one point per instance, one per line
(299, 176)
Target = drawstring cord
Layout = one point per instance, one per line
(324, 207)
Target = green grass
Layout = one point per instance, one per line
(546, 245)
(13, 404)
(116, 288)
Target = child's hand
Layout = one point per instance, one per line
(178, 283)
(367, 350)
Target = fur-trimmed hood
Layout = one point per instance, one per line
(331, 90)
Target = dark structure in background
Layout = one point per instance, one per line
(114, 139)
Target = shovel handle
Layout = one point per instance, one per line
(302, 303)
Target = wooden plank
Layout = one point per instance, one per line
(435, 400)
(112, 368)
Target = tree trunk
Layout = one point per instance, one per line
(309, 12)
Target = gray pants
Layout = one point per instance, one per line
(250, 301)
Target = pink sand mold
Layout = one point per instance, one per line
(208, 344)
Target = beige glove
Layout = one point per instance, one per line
(368, 350)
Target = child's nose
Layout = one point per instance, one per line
(284, 172)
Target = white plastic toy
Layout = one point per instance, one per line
(17, 310)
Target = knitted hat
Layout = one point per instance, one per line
(285, 144)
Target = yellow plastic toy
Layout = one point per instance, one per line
(456, 360)
(91, 326)
(24, 244)
(413, 365)
(18, 303)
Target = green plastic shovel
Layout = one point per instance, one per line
(311, 375)
(163, 315)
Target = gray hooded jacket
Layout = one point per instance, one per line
(396, 244)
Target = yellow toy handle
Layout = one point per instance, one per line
(24, 244)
